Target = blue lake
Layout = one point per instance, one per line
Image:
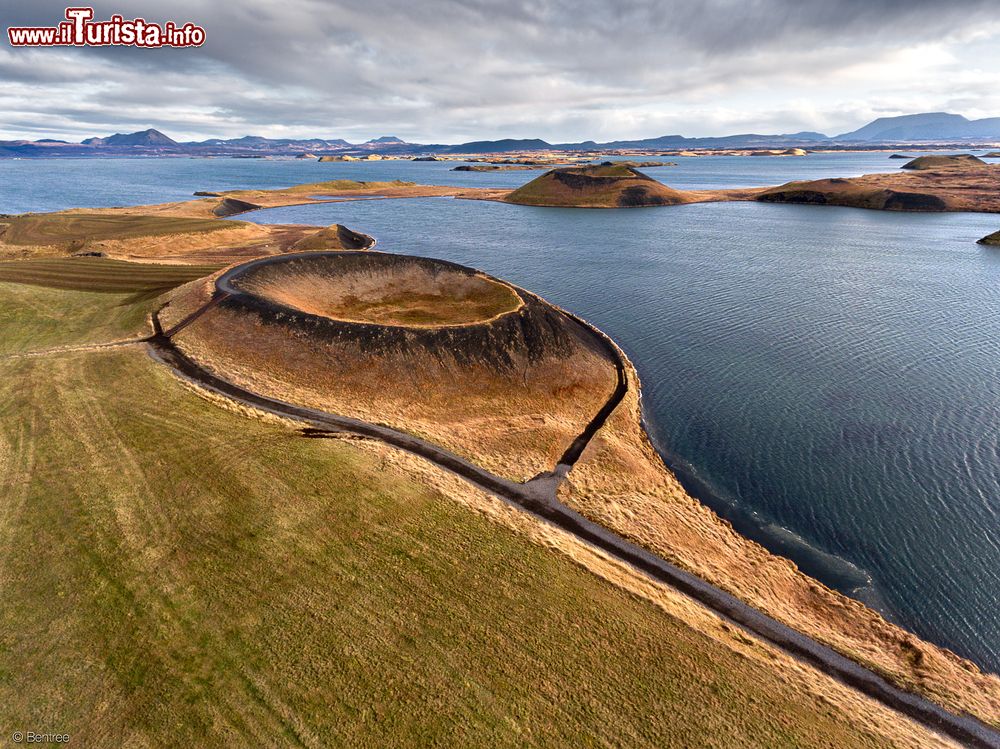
(828, 379)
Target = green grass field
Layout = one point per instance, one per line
(71, 301)
(174, 574)
(33, 317)
(348, 184)
(101, 274)
(60, 228)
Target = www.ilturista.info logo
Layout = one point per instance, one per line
(80, 30)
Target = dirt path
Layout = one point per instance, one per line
(74, 348)
(539, 498)
(576, 448)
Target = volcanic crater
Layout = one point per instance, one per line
(380, 289)
(442, 351)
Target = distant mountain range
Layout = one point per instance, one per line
(932, 128)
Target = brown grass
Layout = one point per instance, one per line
(63, 228)
(516, 421)
(334, 237)
(172, 233)
(142, 237)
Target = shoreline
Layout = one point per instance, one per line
(811, 561)
(831, 570)
(538, 497)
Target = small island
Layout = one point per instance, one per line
(952, 161)
(780, 152)
(493, 168)
(852, 194)
(604, 186)
(639, 164)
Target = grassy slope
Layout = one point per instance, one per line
(92, 300)
(194, 577)
(516, 426)
(33, 317)
(56, 228)
(151, 235)
(175, 574)
(100, 274)
(954, 161)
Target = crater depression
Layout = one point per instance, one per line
(382, 290)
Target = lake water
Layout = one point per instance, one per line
(56, 184)
(826, 378)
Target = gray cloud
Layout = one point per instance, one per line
(450, 69)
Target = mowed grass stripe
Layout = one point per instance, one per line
(100, 274)
(56, 228)
(34, 317)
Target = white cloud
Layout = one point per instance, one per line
(452, 70)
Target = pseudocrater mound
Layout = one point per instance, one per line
(606, 185)
(382, 289)
(467, 361)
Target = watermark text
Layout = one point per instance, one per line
(81, 30)
(34, 737)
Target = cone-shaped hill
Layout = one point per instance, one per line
(476, 365)
(334, 237)
(604, 186)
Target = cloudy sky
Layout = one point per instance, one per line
(457, 70)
